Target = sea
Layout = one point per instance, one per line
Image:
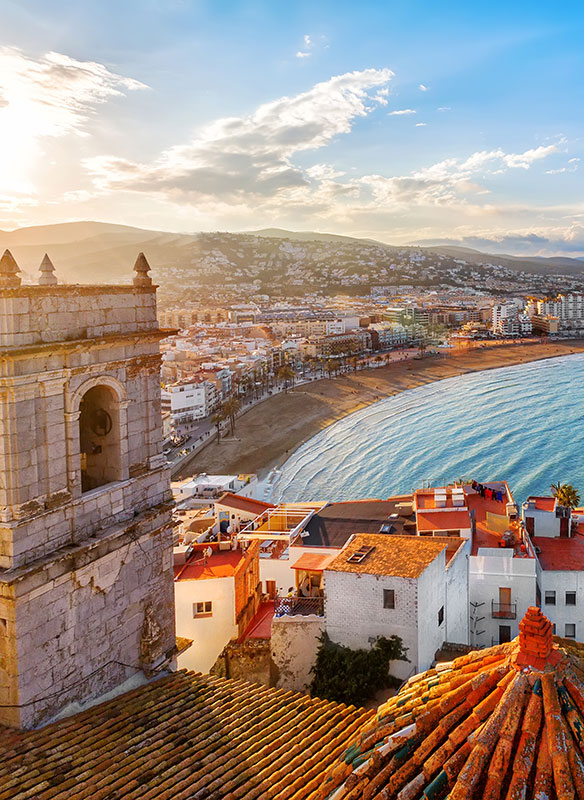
(523, 424)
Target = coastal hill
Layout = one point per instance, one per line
(271, 261)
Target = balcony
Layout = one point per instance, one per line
(503, 610)
(299, 606)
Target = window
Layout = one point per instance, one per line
(550, 598)
(570, 598)
(203, 609)
(570, 630)
(441, 616)
(388, 598)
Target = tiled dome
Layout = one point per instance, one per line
(505, 723)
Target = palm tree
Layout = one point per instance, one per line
(567, 496)
(286, 373)
(217, 419)
(555, 488)
(230, 408)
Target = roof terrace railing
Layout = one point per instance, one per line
(298, 606)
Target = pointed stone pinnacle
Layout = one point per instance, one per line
(9, 270)
(47, 270)
(142, 268)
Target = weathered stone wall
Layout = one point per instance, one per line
(36, 314)
(76, 615)
(86, 581)
(294, 643)
(249, 661)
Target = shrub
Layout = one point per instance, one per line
(354, 676)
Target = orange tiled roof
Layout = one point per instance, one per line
(503, 723)
(182, 736)
(405, 556)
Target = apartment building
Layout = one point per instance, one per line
(508, 320)
(568, 308)
(191, 400)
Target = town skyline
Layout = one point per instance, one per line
(405, 125)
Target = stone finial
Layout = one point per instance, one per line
(9, 270)
(142, 268)
(47, 270)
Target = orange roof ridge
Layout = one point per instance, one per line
(504, 722)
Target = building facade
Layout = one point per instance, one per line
(86, 594)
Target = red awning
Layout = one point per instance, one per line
(313, 562)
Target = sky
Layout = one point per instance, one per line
(405, 122)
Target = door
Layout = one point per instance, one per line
(564, 526)
(271, 589)
(504, 633)
(529, 524)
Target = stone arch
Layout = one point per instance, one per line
(97, 435)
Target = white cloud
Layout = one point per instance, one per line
(239, 158)
(443, 109)
(399, 112)
(51, 96)
(423, 87)
(308, 46)
(421, 124)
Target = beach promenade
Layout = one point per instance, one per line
(267, 434)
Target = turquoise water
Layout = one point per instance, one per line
(523, 424)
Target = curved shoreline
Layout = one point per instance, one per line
(268, 434)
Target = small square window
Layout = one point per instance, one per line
(204, 609)
(570, 598)
(388, 598)
(441, 616)
(550, 598)
(570, 630)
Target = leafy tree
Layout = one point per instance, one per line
(566, 495)
(354, 676)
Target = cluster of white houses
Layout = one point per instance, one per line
(455, 565)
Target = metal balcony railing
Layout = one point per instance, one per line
(503, 610)
(291, 606)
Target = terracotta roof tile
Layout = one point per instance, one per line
(182, 736)
(505, 723)
(406, 556)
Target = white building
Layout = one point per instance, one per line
(191, 400)
(556, 534)
(390, 334)
(568, 308)
(417, 589)
(508, 320)
(210, 487)
(501, 564)
(216, 597)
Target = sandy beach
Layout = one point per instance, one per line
(267, 434)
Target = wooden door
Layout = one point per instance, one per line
(271, 589)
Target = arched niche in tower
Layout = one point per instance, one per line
(100, 438)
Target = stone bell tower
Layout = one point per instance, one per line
(86, 587)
